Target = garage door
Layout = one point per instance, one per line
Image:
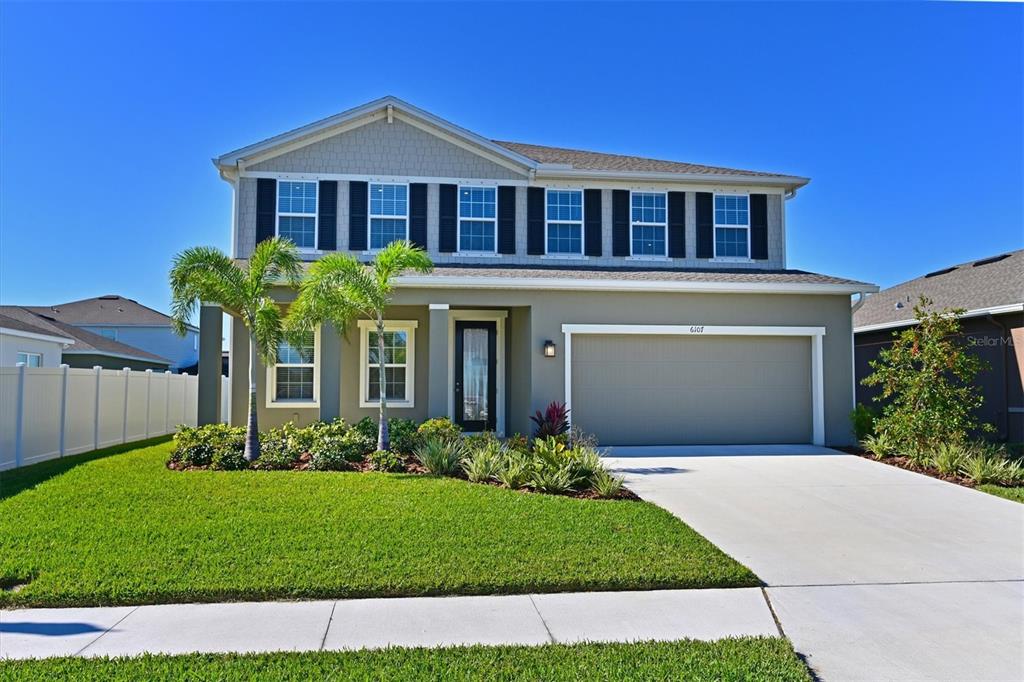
(664, 390)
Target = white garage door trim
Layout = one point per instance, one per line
(813, 333)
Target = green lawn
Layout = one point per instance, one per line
(1015, 494)
(735, 659)
(123, 529)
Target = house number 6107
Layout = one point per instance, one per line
(697, 330)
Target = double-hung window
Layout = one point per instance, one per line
(732, 226)
(389, 214)
(478, 210)
(30, 359)
(296, 212)
(565, 222)
(293, 375)
(399, 363)
(649, 224)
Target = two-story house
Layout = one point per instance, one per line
(651, 296)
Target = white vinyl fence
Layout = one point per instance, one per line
(48, 412)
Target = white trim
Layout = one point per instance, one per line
(28, 354)
(814, 333)
(497, 316)
(272, 380)
(391, 179)
(38, 337)
(715, 226)
(977, 312)
(634, 224)
(702, 179)
(439, 306)
(565, 284)
(409, 327)
(582, 224)
(459, 218)
(292, 214)
(370, 215)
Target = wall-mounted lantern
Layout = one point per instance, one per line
(549, 349)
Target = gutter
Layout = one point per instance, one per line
(977, 312)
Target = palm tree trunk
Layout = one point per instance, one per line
(252, 431)
(383, 438)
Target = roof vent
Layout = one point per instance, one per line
(109, 297)
(993, 259)
(899, 305)
(941, 272)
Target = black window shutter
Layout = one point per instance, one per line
(535, 221)
(266, 209)
(418, 214)
(759, 226)
(448, 212)
(592, 221)
(677, 224)
(620, 222)
(327, 220)
(506, 219)
(705, 225)
(357, 213)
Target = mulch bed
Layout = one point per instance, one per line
(906, 463)
(411, 466)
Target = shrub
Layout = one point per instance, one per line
(440, 456)
(919, 456)
(586, 463)
(862, 418)
(385, 460)
(553, 421)
(554, 480)
(336, 453)
(403, 435)
(949, 458)
(281, 448)
(927, 382)
(981, 467)
(580, 438)
(878, 445)
(485, 462)
(550, 451)
(476, 441)
(229, 459)
(517, 442)
(606, 485)
(367, 427)
(201, 445)
(441, 428)
(515, 471)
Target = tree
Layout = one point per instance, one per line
(339, 289)
(927, 381)
(205, 274)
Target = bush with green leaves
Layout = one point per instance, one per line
(606, 485)
(229, 459)
(441, 428)
(981, 467)
(484, 462)
(475, 441)
(281, 448)
(586, 463)
(516, 470)
(554, 480)
(440, 456)
(949, 458)
(878, 445)
(332, 452)
(387, 461)
(367, 427)
(926, 376)
(862, 419)
(404, 436)
(199, 446)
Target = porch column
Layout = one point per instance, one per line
(211, 335)
(330, 373)
(437, 376)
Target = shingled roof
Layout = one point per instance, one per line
(975, 286)
(599, 161)
(109, 309)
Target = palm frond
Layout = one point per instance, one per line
(396, 258)
(267, 330)
(274, 262)
(204, 273)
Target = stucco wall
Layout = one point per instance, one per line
(534, 381)
(11, 345)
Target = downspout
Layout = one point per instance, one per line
(862, 297)
(1004, 433)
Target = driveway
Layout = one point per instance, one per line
(874, 573)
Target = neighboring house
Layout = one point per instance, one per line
(39, 340)
(651, 296)
(991, 291)
(126, 321)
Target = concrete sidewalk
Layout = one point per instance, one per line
(245, 627)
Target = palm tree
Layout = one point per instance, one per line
(205, 274)
(339, 289)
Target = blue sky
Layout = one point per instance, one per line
(907, 117)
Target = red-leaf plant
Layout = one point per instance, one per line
(553, 421)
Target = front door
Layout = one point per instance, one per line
(475, 362)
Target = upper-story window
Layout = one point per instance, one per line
(565, 221)
(389, 214)
(296, 212)
(478, 210)
(732, 226)
(649, 223)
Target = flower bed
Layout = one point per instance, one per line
(556, 465)
(970, 465)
